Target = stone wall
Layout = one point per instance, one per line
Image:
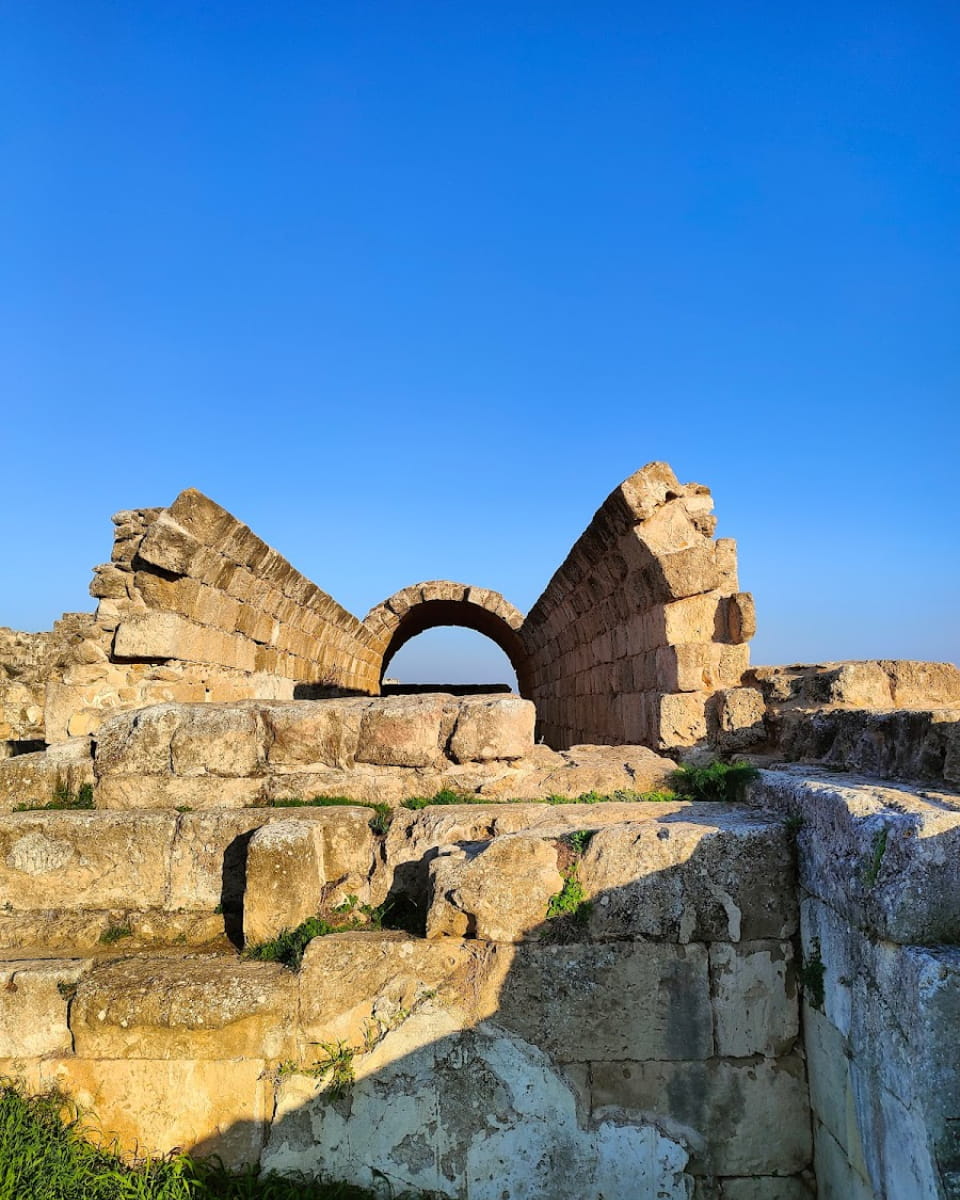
(891, 719)
(376, 750)
(647, 1047)
(642, 630)
(640, 636)
(879, 873)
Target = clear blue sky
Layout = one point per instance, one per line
(411, 286)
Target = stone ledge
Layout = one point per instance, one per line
(886, 858)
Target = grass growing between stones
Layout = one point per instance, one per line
(448, 796)
(288, 946)
(45, 1155)
(720, 781)
(379, 822)
(64, 799)
(569, 910)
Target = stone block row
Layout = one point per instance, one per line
(194, 584)
(645, 606)
(89, 864)
(886, 858)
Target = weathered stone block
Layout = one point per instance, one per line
(307, 732)
(34, 999)
(405, 734)
(148, 1107)
(202, 1007)
(681, 719)
(755, 1005)
(209, 857)
(353, 982)
(886, 859)
(168, 545)
(498, 891)
(704, 873)
(493, 729)
(137, 743)
(752, 1118)
(110, 859)
(644, 1000)
(284, 878)
(217, 740)
(740, 718)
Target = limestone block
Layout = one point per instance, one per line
(647, 489)
(832, 1092)
(204, 1006)
(405, 733)
(693, 619)
(726, 553)
(923, 683)
(886, 859)
(699, 667)
(134, 792)
(605, 770)
(741, 617)
(137, 743)
(836, 1179)
(905, 744)
(209, 1108)
(109, 582)
(671, 529)
(305, 731)
(33, 778)
(755, 1006)
(217, 740)
(209, 857)
(645, 1000)
(688, 572)
(352, 982)
(34, 998)
(84, 859)
(681, 719)
(752, 1118)
(498, 891)
(155, 635)
(202, 517)
(740, 718)
(168, 545)
(705, 873)
(414, 838)
(285, 877)
(864, 684)
(487, 729)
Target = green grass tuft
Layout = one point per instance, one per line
(288, 946)
(64, 799)
(115, 933)
(719, 781)
(45, 1155)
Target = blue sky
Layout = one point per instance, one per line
(410, 287)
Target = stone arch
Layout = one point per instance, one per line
(441, 602)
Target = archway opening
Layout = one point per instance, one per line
(449, 658)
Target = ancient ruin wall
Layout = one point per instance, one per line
(193, 606)
(642, 628)
(640, 637)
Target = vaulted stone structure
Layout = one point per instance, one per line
(640, 636)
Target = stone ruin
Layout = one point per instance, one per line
(756, 1000)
